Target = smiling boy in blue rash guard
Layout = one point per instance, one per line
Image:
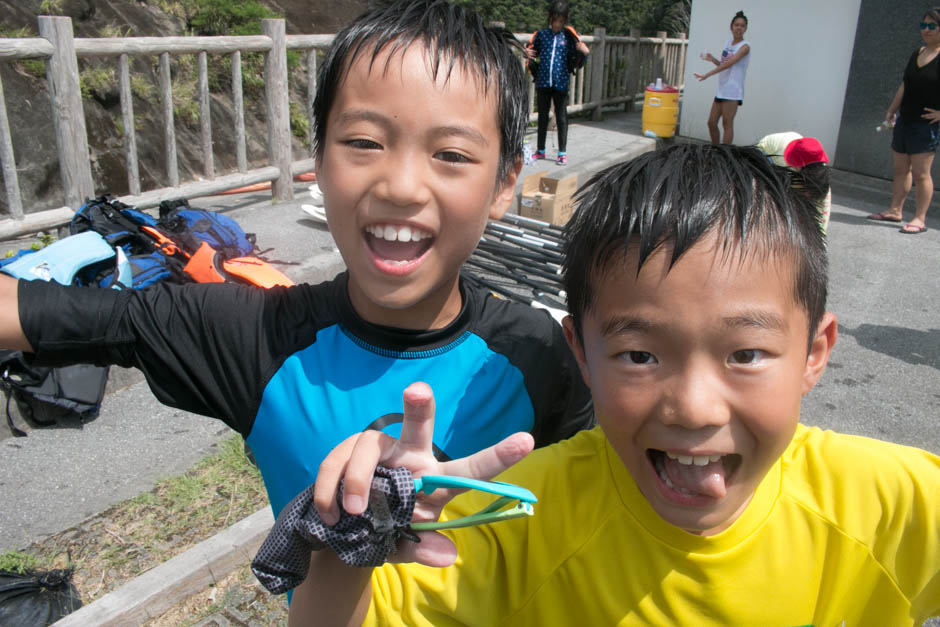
(697, 290)
(420, 117)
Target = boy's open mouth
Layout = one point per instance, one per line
(699, 475)
(397, 245)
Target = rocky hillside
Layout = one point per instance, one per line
(28, 108)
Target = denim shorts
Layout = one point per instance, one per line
(912, 137)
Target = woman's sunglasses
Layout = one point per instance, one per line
(929, 25)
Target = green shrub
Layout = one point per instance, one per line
(299, 123)
(113, 30)
(32, 67)
(96, 81)
(224, 17)
(50, 7)
(142, 87)
(17, 561)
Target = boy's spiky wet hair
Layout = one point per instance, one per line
(676, 196)
(452, 35)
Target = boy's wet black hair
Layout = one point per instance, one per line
(558, 8)
(452, 35)
(678, 195)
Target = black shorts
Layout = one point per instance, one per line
(915, 136)
(740, 102)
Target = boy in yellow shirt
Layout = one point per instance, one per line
(696, 278)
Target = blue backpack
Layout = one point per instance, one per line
(121, 226)
(191, 227)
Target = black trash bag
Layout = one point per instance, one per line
(37, 598)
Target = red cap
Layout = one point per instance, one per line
(804, 151)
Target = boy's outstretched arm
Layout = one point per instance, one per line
(11, 333)
(344, 590)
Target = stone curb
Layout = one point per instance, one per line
(157, 590)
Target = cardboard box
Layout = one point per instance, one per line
(548, 198)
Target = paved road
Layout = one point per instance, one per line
(883, 380)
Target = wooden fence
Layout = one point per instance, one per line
(615, 74)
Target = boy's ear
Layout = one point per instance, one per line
(506, 192)
(819, 350)
(571, 335)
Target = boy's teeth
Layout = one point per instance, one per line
(397, 234)
(697, 460)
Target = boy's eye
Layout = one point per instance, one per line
(746, 356)
(452, 157)
(641, 358)
(363, 144)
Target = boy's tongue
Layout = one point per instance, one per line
(397, 251)
(708, 480)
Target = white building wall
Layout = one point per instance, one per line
(800, 56)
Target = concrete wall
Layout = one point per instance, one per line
(887, 35)
(801, 51)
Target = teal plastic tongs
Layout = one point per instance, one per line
(513, 501)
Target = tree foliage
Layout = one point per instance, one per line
(617, 16)
(225, 17)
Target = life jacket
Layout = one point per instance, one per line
(219, 250)
(575, 57)
(208, 266)
(62, 260)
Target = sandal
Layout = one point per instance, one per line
(912, 229)
(882, 216)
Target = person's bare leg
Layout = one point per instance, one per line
(923, 187)
(900, 186)
(713, 117)
(729, 108)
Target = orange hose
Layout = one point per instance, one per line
(257, 187)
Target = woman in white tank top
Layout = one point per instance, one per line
(731, 70)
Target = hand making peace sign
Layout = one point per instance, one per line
(357, 456)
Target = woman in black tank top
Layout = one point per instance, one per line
(915, 115)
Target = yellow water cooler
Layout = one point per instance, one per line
(660, 110)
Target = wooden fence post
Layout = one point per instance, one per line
(127, 118)
(241, 151)
(67, 112)
(597, 71)
(680, 82)
(277, 104)
(8, 163)
(169, 126)
(661, 57)
(205, 116)
(311, 96)
(633, 68)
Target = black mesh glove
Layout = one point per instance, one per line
(364, 540)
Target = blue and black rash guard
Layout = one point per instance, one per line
(296, 371)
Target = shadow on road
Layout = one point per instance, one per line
(909, 345)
